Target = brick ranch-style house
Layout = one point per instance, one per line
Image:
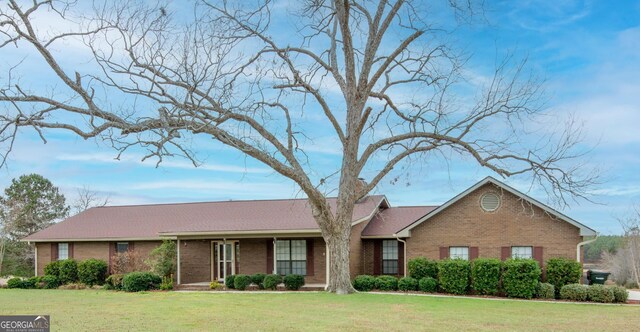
(217, 239)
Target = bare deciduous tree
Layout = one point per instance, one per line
(381, 75)
(87, 199)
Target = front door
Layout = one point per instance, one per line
(225, 255)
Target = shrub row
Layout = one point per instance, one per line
(264, 281)
(594, 293)
(366, 283)
(489, 276)
(90, 272)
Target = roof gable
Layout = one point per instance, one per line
(584, 230)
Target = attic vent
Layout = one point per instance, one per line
(490, 202)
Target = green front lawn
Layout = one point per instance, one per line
(104, 310)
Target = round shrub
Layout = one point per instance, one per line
(599, 293)
(114, 281)
(50, 282)
(574, 292)
(241, 281)
(293, 281)
(258, 279)
(485, 275)
(52, 269)
(520, 277)
(33, 282)
(407, 284)
(215, 285)
(68, 271)
(271, 281)
(563, 271)
(386, 283)
(140, 281)
(453, 275)
(545, 291)
(230, 282)
(92, 272)
(364, 283)
(16, 283)
(428, 284)
(620, 294)
(421, 267)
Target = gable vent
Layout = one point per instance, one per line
(490, 202)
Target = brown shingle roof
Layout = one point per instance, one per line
(390, 221)
(149, 221)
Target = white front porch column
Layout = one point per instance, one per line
(178, 259)
(275, 259)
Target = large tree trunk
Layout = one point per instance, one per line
(338, 255)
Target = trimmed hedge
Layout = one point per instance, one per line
(364, 283)
(140, 281)
(241, 281)
(258, 279)
(68, 271)
(545, 291)
(563, 271)
(50, 282)
(520, 277)
(428, 285)
(229, 282)
(17, 283)
(293, 281)
(52, 269)
(600, 293)
(453, 275)
(407, 284)
(271, 281)
(114, 281)
(92, 272)
(386, 283)
(485, 275)
(620, 294)
(421, 267)
(574, 292)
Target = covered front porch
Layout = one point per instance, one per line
(202, 259)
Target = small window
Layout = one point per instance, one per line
(122, 247)
(490, 202)
(291, 257)
(390, 257)
(63, 251)
(459, 253)
(521, 252)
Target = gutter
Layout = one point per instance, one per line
(582, 244)
(404, 261)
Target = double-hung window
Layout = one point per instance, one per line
(122, 247)
(459, 253)
(291, 257)
(521, 252)
(390, 257)
(63, 251)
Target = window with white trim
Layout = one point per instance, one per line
(390, 257)
(122, 247)
(459, 253)
(63, 251)
(521, 252)
(291, 257)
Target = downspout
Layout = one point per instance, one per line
(404, 261)
(582, 244)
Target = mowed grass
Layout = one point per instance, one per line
(98, 310)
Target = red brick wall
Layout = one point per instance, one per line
(195, 261)
(514, 223)
(86, 250)
(356, 250)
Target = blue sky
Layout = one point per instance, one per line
(587, 51)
